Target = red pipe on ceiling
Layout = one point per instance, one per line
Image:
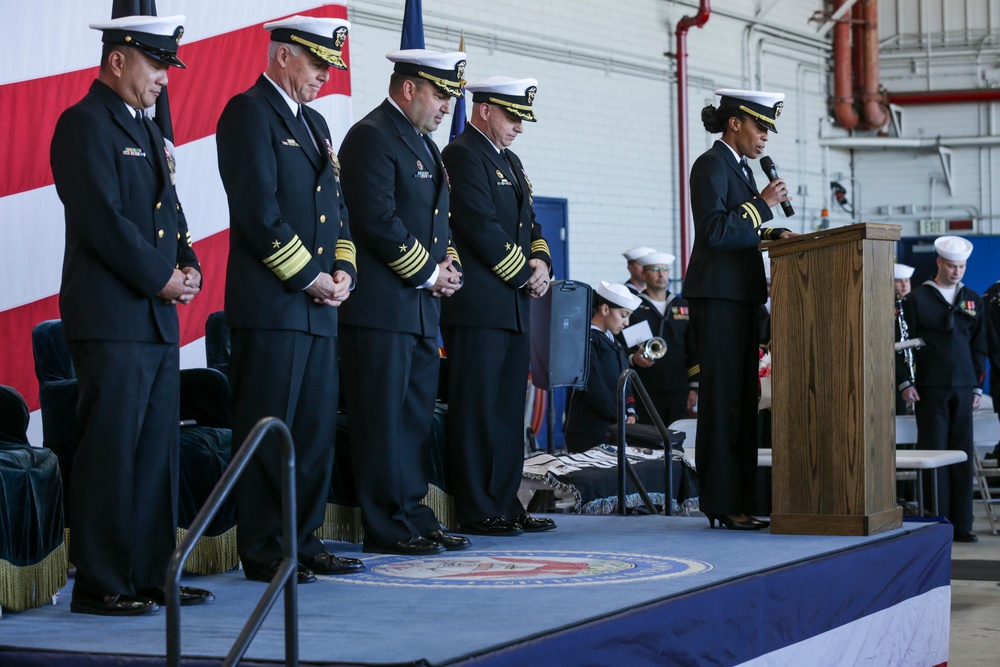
(874, 113)
(843, 98)
(685, 24)
(945, 96)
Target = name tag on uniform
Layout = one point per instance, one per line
(133, 152)
(290, 142)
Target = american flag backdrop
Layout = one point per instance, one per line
(48, 64)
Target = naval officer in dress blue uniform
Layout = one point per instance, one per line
(291, 265)
(128, 262)
(724, 285)
(397, 189)
(486, 325)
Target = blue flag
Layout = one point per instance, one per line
(458, 119)
(413, 25)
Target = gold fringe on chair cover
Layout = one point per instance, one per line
(212, 555)
(69, 565)
(342, 523)
(443, 506)
(31, 586)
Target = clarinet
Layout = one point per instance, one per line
(904, 336)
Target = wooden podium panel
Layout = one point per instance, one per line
(833, 382)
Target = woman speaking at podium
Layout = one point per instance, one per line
(724, 286)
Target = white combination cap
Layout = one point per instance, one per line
(619, 295)
(322, 37)
(765, 107)
(514, 95)
(156, 36)
(445, 69)
(954, 248)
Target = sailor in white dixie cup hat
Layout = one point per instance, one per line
(635, 282)
(901, 274)
(949, 372)
(592, 410)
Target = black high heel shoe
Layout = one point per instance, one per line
(764, 523)
(733, 524)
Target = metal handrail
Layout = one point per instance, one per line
(630, 377)
(287, 572)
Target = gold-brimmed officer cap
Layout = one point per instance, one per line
(761, 106)
(515, 95)
(322, 37)
(156, 36)
(445, 69)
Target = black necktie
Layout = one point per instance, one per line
(510, 168)
(302, 119)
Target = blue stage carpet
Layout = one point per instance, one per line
(454, 606)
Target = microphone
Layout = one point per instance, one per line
(767, 164)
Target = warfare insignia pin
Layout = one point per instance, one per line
(420, 165)
(499, 174)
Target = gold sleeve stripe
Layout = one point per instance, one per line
(346, 252)
(289, 260)
(453, 254)
(510, 265)
(541, 245)
(409, 264)
(694, 370)
(754, 214)
(190, 243)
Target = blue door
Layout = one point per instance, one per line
(553, 215)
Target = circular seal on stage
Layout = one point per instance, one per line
(522, 568)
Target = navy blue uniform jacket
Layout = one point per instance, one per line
(397, 191)
(495, 232)
(125, 228)
(728, 214)
(283, 231)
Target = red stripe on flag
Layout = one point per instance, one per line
(218, 68)
(17, 365)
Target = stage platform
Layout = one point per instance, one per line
(599, 590)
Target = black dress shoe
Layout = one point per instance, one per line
(111, 605)
(303, 576)
(327, 563)
(965, 536)
(449, 541)
(733, 523)
(764, 523)
(415, 546)
(532, 524)
(190, 595)
(495, 527)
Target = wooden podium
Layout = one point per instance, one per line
(833, 382)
